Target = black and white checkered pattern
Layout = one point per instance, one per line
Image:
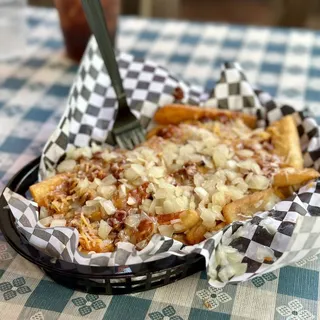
(233, 91)
(287, 233)
(92, 103)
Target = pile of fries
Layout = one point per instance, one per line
(199, 170)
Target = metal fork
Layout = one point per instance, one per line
(127, 129)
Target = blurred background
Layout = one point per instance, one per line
(290, 13)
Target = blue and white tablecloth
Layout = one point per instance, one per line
(33, 91)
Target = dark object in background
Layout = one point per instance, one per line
(74, 26)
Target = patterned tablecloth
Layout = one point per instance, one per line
(33, 92)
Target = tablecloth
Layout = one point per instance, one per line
(33, 92)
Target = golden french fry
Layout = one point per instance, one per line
(286, 142)
(286, 191)
(218, 227)
(245, 207)
(291, 176)
(40, 190)
(188, 218)
(153, 132)
(196, 233)
(177, 113)
(180, 237)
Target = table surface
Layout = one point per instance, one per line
(33, 93)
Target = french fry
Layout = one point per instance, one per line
(177, 113)
(196, 233)
(291, 176)
(180, 237)
(285, 139)
(153, 132)
(187, 219)
(40, 190)
(218, 227)
(248, 205)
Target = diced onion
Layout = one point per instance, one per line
(168, 206)
(94, 202)
(174, 221)
(178, 191)
(245, 153)
(152, 207)
(104, 243)
(249, 165)
(88, 210)
(221, 154)
(207, 162)
(146, 203)
(123, 191)
(66, 165)
(96, 148)
(240, 184)
(133, 220)
(232, 165)
(131, 174)
(157, 172)
(83, 184)
(46, 221)
(138, 169)
(220, 198)
(166, 230)
(58, 216)
(131, 201)
(80, 152)
(231, 191)
(104, 230)
(108, 156)
(192, 204)
(108, 207)
(198, 179)
(106, 191)
(159, 210)
(178, 227)
(208, 235)
(231, 175)
(109, 180)
(201, 192)
(93, 185)
(264, 252)
(161, 194)
(208, 217)
(43, 213)
(58, 223)
(151, 188)
(257, 182)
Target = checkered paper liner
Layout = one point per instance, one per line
(287, 233)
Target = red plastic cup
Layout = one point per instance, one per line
(74, 26)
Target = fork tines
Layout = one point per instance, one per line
(129, 135)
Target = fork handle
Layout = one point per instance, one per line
(96, 19)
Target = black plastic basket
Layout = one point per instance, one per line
(99, 280)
